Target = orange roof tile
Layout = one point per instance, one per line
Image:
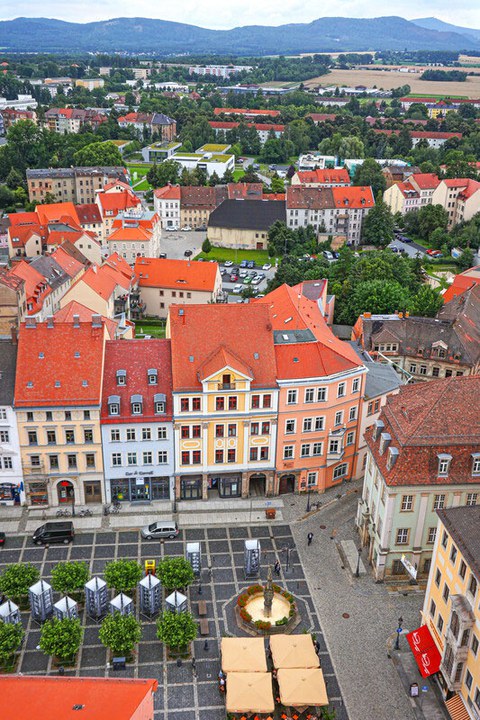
(130, 234)
(426, 181)
(117, 201)
(46, 697)
(222, 358)
(461, 283)
(360, 196)
(69, 264)
(169, 192)
(244, 331)
(177, 274)
(56, 211)
(67, 313)
(246, 111)
(23, 218)
(59, 365)
(33, 279)
(336, 175)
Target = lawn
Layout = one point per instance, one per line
(260, 257)
(142, 185)
(238, 174)
(150, 326)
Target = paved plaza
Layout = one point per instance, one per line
(182, 693)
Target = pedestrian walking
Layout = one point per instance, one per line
(309, 538)
(276, 568)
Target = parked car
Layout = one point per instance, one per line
(250, 264)
(237, 289)
(223, 271)
(327, 255)
(162, 256)
(161, 529)
(188, 253)
(243, 273)
(272, 167)
(234, 277)
(394, 249)
(244, 264)
(247, 280)
(2, 539)
(267, 266)
(186, 228)
(171, 229)
(201, 228)
(228, 263)
(257, 280)
(54, 532)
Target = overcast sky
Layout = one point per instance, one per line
(231, 13)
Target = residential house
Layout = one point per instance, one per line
(460, 197)
(137, 428)
(111, 202)
(10, 116)
(90, 218)
(225, 400)
(336, 211)
(58, 392)
(90, 83)
(208, 159)
(74, 184)
(160, 151)
(432, 138)
(263, 130)
(135, 233)
(423, 455)
(402, 197)
(72, 120)
(157, 124)
(451, 614)
(425, 184)
(327, 177)
(11, 475)
(247, 112)
(320, 380)
(462, 282)
(166, 202)
(163, 282)
(244, 224)
(13, 302)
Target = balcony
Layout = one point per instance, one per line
(226, 386)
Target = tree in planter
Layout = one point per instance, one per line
(120, 633)
(16, 579)
(11, 637)
(176, 630)
(69, 578)
(61, 638)
(206, 246)
(123, 575)
(175, 573)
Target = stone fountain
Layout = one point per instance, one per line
(266, 606)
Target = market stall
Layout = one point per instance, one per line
(293, 651)
(302, 688)
(250, 692)
(243, 655)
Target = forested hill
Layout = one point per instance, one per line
(162, 37)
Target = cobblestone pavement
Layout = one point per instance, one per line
(369, 682)
(181, 695)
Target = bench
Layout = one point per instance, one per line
(204, 628)
(202, 608)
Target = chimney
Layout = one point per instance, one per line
(13, 333)
(367, 314)
(31, 323)
(76, 321)
(400, 315)
(407, 314)
(96, 320)
(50, 321)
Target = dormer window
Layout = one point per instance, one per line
(136, 402)
(113, 403)
(377, 428)
(121, 377)
(392, 457)
(444, 461)
(475, 463)
(160, 403)
(152, 376)
(385, 439)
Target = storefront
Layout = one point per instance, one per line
(191, 488)
(228, 486)
(140, 488)
(10, 493)
(37, 492)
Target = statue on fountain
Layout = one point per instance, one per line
(268, 594)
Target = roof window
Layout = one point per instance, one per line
(152, 376)
(121, 377)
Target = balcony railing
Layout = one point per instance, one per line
(226, 386)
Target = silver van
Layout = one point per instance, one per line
(160, 529)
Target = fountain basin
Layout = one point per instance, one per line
(251, 615)
(256, 608)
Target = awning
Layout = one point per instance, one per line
(457, 709)
(250, 692)
(425, 651)
(301, 687)
(293, 651)
(243, 655)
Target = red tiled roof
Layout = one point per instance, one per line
(21, 234)
(119, 263)
(337, 175)
(66, 314)
(247, 191)
(321, 117)
(127, 234)
(88, 213)
(23, 218)
(117, 201)
(54, 212)
(137, 357)
(70, 265)
(354, 196)
(46, 697)
(222, 358)
(426, 419)
(177, 274)
(243, 330)
(259, 127)
(407, 189)
(246, 111)
(36, 286)
(426, 181)
(169, 192)
(461, 283)
(48, 371)
(434, 135)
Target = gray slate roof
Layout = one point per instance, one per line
(8, 363)
(463, 524)
(380, 378)
(247, 214)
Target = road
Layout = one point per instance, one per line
(412, 249)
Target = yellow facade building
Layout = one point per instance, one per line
(451, 610)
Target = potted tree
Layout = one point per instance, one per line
(16, 580)
(177, 631)
(175, 573)
(120, 633)
(69, 578)
(123, 575)
(62, 639)
(11, 637)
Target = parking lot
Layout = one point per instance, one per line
(411, 249)
(236, 278)
(182, 693)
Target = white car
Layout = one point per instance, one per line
(267, 266)
(186, 228)
(228, 263)
(237, 289)
(242, 273)
(171, 229)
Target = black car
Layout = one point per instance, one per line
(201, 228)
(188, 253)
(54, 532)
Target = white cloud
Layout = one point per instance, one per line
(227, 13)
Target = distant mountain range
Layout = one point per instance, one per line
(162, 37)
(432, 23)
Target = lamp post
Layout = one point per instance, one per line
(308, 500)
(399, 632)
(357, 571)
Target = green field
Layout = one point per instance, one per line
(238, 174)
(222, 254)
(150, 326)
(138, 180)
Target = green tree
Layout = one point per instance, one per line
(176, 630)
(123, 575)
(70, 577)
(163, 173)
(438, 237)
(206, 246)
(378, 296)
(278, 185)
(98, 153)
(377, 228)
(61, 638)
(11, 637)
(175, 573)
(465, 260)
(14, 179)
(120, 633)
(370, 173)
(16, 579)
(431, 217)
(426, 303)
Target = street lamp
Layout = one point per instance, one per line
(308, 500)
(399, 632)
(357, 571)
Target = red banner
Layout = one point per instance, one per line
(425, 651)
